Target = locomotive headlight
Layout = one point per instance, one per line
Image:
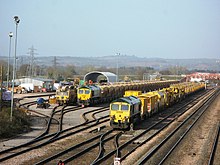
(126, 118)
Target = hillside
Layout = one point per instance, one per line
(123, 61)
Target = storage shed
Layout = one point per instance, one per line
(99, 77)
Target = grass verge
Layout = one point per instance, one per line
(20, 123)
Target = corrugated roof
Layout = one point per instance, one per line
(111, 77)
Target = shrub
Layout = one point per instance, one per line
(20, 123)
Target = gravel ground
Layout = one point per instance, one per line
(38, 126)
(195, 148)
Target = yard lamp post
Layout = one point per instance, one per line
(17, 20)
(9, 54)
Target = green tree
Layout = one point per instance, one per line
(69, 71)
(50, 72)
(4, 65)
(23, 70)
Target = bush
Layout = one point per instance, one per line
(20, 123)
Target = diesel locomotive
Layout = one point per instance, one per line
(127, 110)
(90, 94)
(66, 95)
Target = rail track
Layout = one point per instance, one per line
(85, 147)
(125, 143)
(131, 144)
(214, 146)
(108, 158)
(48, 136)
(161, 152)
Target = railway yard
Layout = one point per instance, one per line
(110, 83)
(185, 133)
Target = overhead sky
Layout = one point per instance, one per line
(144, 28)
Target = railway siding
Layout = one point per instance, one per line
(209, 120)
(196, 147)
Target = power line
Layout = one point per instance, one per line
(32, 59)
(55, 63)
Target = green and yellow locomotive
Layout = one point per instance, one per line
(66, 95)
(124, 112)
(88, 94)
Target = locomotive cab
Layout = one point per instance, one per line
(83, 96)
(87, 95)
(124, 112)
(66, 95)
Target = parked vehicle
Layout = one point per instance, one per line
(42, 103)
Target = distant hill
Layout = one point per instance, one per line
(124, 61)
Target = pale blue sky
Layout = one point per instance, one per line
(145, 28)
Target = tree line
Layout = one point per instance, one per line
(60, 73)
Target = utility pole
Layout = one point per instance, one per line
(8, 73)
(17, 20)
(117, 78)
(31, 63)
(55, 63)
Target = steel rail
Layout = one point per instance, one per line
(87, 149)
(63, 111)
(40, 95)
(22, 145)
(93, 115)
(147, 130)
(28, 103)
(67, 150)
(27, 107)
(49, 123)
(214, 146)
(37, 139)
(158, 131)
(60, 124)
(155, 149)
(101, 145)
(40, 137)
(55, 139)
(118, 153)
(94, 110)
